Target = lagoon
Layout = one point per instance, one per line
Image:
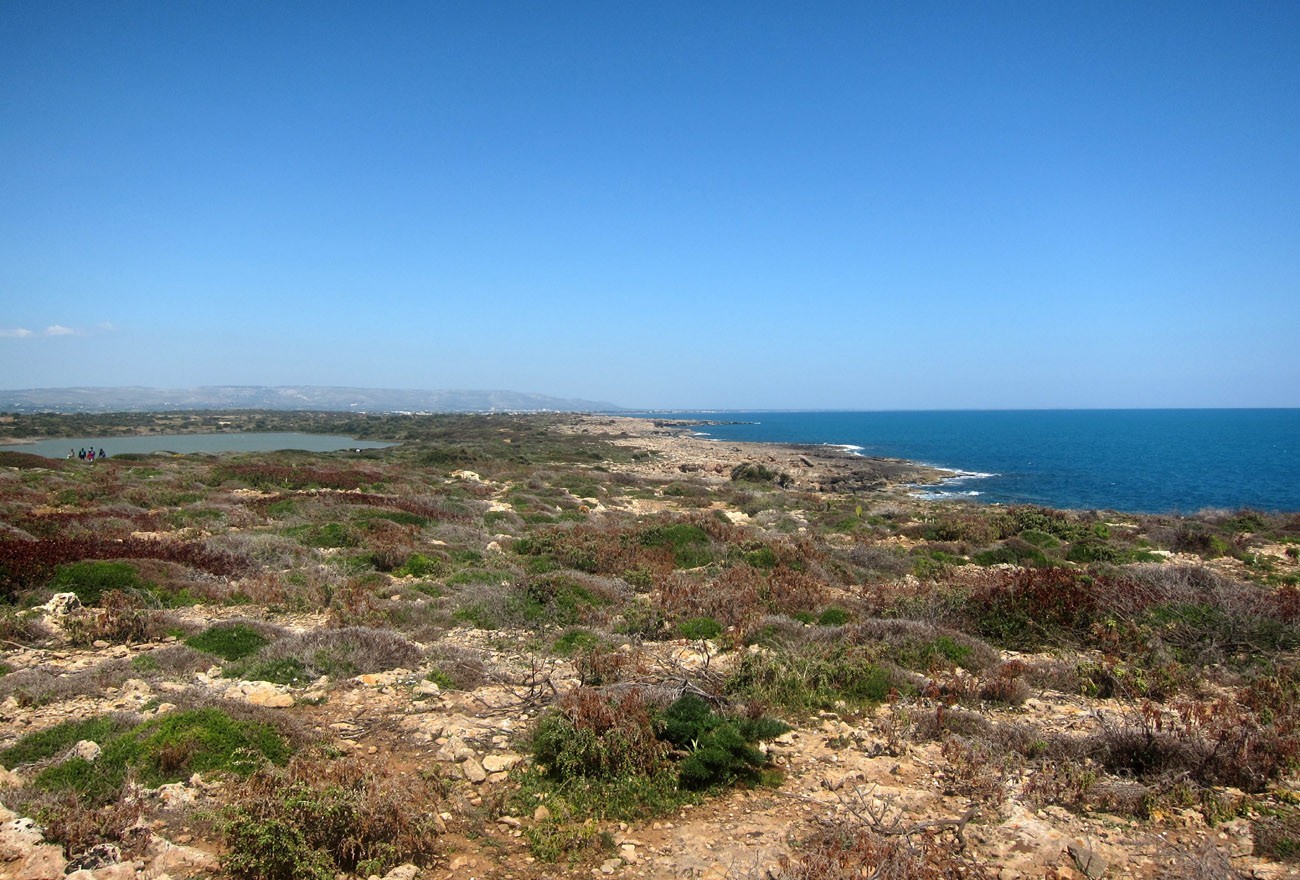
(195, 443)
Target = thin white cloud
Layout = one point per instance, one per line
(56, 330)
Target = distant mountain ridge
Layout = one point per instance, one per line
(286, 397)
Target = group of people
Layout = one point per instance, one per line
(87, 454)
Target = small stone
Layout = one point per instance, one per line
(473, 771)
(541, 814)
(175, 794)
(499, 763)
(266, 694)
(1086, 859)
(86, 750)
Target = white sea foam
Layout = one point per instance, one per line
(940, 496)
(966, 475)
(847, 447)
(946, 488)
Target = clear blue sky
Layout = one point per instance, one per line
(852, 205)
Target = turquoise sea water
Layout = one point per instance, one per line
(1153, 461)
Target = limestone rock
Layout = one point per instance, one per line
(86, 750)
(262, 693)
(61, 604)
(10, 779)
(165, 856)
(1087, 860)
(454, 751)
(473, 771)
(175, 794)
(500, 763)
(44, 862)
(403, 872)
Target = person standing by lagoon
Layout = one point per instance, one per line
(81, 453)
(101, 453)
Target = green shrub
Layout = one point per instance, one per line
(833, 617)
(91, 580)
(169, 748)
(813, 677)
(749, 472)
(228, 641)
(52, 741)
(763, 557)
(1277, 834)
(325, 535)
(576, 640)
(419, 565)
(689, 543)
(1092, 550)
(700, 628)
(556, 840)
(1013, 551)
(557, 599)
(1039, 539)
(720, 748)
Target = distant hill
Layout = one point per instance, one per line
(286, 397)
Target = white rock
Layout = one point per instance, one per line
(86, 750)
(175, 794)
(61, 604)
(473, 771)
(499, 763)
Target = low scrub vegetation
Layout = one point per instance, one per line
(621, 631)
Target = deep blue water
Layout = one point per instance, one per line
(1152, 461)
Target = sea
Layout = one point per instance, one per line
(1140, 461)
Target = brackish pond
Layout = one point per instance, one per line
(187, 443)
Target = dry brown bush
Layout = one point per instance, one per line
(851, 853)
(120, 619)
(355, 813)
(78, 825)
(733, 598)
(352, 650)
(40, 685)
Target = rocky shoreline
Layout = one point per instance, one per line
(678, 451)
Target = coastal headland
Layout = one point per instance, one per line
(530, 646)
(676, 451)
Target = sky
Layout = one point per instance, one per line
(858, 205)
